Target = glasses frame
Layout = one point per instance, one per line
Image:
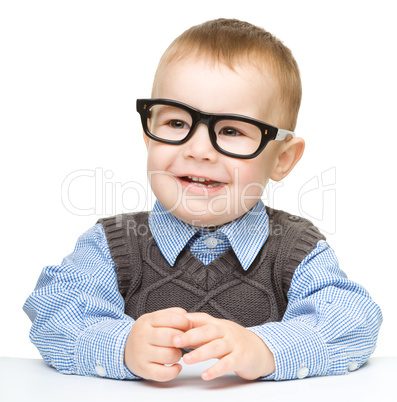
(268, 131)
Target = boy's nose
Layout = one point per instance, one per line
(199, 146)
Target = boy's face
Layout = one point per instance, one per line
(177, 172)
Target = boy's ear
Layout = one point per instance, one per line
(290, 153)
(146, 139)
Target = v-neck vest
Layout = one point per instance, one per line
(222, 288)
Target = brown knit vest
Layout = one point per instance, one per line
(222, 288)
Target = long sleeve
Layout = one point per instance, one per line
(77, 312)
(330, 326)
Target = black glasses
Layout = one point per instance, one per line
(173, 122)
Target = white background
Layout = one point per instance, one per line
(70, 73)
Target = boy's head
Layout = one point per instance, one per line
(222, 67)
(233, 42)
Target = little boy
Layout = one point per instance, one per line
(210, 272)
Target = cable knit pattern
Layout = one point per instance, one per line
(222, 288)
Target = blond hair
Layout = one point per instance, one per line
(231, 41)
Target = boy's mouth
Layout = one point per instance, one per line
(201, 181)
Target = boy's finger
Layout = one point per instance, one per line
(171, 318)
(164, 355)
(200, 319)
(216, 349)
(161, 336)
(161, 373)
(220, 368)
(197, 336)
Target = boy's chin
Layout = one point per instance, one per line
(205, 219)
(211, 214)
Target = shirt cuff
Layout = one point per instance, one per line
(299, 351)
(99, 350)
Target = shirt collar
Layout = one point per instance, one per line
(246, 234)
(171, 234)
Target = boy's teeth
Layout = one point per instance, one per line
(203, 182)
(198, 178)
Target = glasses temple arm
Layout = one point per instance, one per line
(284, 134)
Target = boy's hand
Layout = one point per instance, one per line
(237, 348)
(149, 352)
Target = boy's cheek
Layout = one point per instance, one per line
(252, 190)
(165, 187)
(251, 184)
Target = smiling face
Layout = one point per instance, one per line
(193, 181)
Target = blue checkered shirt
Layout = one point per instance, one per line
(330, 326)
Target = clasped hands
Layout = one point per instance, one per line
(153, 351)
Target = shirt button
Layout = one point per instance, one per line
(101, 371)
(211, 242)
(353, 365)
(302, 372)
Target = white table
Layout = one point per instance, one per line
(32, 380)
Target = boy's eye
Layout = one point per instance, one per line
(178, 124)
(230, 132)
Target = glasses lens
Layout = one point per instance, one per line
(169, 122)
(238, 137)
